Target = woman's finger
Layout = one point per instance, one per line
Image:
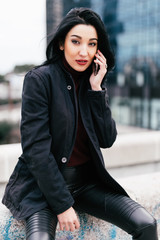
(77, 224)
(102, 65)
(100, 60)
(72, 227)
(101, 54)
(67, 226)
(61, 226)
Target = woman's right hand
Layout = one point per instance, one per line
(68, 220)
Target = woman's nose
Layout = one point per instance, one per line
(83, 51)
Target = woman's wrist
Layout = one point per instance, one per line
(96, 88)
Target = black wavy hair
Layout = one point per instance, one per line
(74, 17)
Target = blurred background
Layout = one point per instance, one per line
(134, 84)
(134, 33)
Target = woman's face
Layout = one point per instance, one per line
(80, 46)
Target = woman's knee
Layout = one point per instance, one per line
(145, 225)
(148, 232)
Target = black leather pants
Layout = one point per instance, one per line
(93, 198)
(41, 225)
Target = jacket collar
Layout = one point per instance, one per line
(85, 74)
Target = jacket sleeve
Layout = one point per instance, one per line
(36, 144)
(105, 126)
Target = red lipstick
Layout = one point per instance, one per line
(82, 62)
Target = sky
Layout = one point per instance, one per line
(22, 33)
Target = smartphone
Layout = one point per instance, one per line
(96, 69)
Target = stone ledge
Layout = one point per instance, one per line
(91, 229)
(9, 154)
(129, 149)
(133, 149)
(144, 189)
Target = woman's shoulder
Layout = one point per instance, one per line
(40, 79)
(42, 70)
(44, 73)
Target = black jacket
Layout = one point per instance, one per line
(48, 130)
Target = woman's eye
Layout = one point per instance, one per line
(93, 44)
(75, 42)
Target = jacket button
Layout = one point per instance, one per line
(69, 87)
(64, 160)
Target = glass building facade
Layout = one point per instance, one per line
(138, 64)
(134, 33)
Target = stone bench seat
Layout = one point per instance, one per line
(143, 188)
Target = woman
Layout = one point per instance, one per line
(65, 121)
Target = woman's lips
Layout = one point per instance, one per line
(82, 62)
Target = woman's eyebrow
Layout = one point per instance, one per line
(75, 36)
(91, 39)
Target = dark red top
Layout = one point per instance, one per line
(81, 153)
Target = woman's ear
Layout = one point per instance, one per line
(61, 46)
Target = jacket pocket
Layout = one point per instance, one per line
(13, 178)
(16, 187)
